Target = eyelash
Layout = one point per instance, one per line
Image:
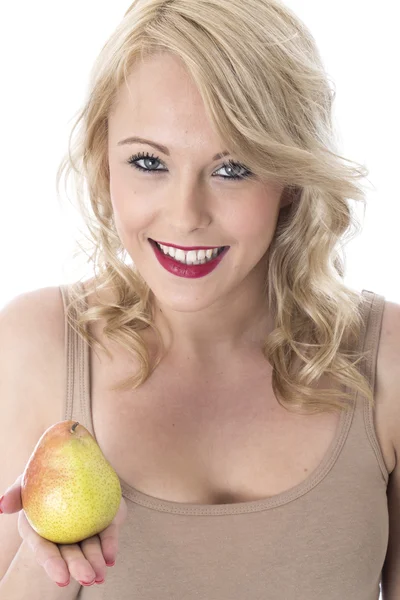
(143, 155)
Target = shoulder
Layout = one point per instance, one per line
(36, 314)
(388, 371)
(32, 350)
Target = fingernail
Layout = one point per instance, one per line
(1, 512)
(110, 564)
(86, 583)
(100, 581)
(62, 584)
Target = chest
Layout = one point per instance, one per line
(191, 437)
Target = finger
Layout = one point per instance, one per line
(91, 549)
(79, 567)
(109, 537)
(11, 501)
(46, 553)
(77, 560)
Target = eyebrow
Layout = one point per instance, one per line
(163, 149)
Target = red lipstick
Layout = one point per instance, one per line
(188, 271)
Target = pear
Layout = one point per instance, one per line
(69, 490)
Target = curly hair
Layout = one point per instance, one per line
(265, 89)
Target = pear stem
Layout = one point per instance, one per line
(74, 426)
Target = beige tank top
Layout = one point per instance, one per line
(324, 539)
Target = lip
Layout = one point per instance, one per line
(186, 271)
(186, 248)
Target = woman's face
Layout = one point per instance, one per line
(187, 197)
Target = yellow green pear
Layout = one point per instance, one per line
(69, 490)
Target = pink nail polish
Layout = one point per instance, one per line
(111, 564)
(62, 584)
(100, 581)
(1, 512)
(86, 583)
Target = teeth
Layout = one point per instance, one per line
(180, 256)
(192, 257)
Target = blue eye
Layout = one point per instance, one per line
(151, 163)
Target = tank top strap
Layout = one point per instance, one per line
(76, 399)
(364, 421)
(374, 307)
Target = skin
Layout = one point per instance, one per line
(189, 203)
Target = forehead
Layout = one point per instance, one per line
(159, 96)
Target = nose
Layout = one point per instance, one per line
(187, 207)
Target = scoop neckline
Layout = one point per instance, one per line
(187, 508)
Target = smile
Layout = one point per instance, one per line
(189, 264)
(190, 257)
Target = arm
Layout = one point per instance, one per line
(27, 379)
(31, 343)
(389, 367)
(32, 388)
(25, 578)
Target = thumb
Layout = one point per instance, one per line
(11, 501)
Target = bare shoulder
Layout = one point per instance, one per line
(33, 316)
(32, 344)
(388, 371)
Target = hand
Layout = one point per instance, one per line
(86, 562)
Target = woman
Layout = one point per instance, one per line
(244, 395)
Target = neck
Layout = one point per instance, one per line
(237, 325)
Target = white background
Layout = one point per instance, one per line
(47, 49)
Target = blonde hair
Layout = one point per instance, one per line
(265, 90)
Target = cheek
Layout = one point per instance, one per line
(121, 195)
(255, 220)
(131, 211)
